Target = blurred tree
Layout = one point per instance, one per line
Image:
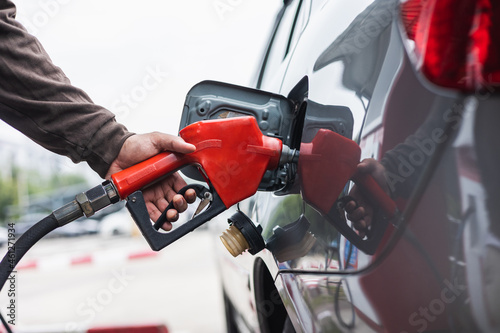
(37, 184)
(8, 194)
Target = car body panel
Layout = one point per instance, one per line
(426, 274)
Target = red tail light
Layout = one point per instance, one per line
(455, 43)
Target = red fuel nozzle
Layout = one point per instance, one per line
(233, 155)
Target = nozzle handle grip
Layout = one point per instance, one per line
(377, 196)
(147, 172)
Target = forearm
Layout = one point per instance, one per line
(38, 99)
(405, 162)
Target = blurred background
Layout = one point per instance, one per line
(110, 49)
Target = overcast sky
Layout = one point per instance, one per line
(139, 58)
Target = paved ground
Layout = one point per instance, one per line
(121, 284)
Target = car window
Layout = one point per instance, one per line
(281, 42)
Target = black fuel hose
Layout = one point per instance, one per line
(85, 203)
(19, 249)
(23, 244)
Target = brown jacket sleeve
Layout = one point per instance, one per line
(38, 99)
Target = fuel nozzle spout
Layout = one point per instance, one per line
(289, 155)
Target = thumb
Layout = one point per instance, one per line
(167, 142)
(376, 170)
(368, 165)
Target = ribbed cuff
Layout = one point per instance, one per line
(105, 146)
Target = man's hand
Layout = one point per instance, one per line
(140, 147)
(362, 214)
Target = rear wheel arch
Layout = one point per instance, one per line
(271, 312)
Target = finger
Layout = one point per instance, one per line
(357, 214)
(167, 226)
(190, 196)
(171, 185)
(161, 204)
(359, 224)
(376, 170)
(157, 196)
(166, 190)
(172, 215)
(368, 165)
(180, 203)
(171, 143)
(351, 206)
(154, 213)
(175, 181)
(368, 220)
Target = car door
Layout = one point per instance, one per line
(362, 56)
(347, 55)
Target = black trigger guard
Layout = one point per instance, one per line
(200, 193)
(158, 240)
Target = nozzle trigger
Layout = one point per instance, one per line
(207, 198)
